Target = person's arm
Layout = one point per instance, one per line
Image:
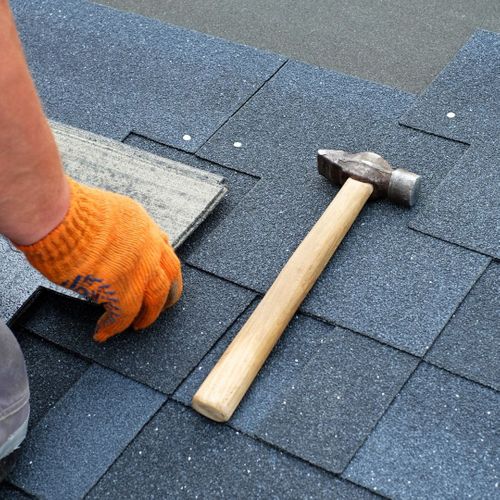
(102, 245)
(34, 193)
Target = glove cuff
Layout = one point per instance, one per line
(82, 223)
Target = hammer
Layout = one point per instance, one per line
(362, 176)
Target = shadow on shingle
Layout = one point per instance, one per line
(160, 356)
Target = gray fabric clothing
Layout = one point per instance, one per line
(14, 392)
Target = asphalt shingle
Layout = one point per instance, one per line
(300, 110)
(52, 371)
(111, 72)
(76, 442)
(402, 43)
(180, 454)
(406, 283)
(319, 394)
(297, 346)
(438, 440)
(337, 399)
(470, 343)
(177, 196)
(19, 280)
(239, 184)
(160, 356)
(468, 217)
(8, 492)
(462, 102)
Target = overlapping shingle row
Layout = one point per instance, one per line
(384, 382)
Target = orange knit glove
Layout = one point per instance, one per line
(108, 249)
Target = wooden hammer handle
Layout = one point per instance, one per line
(229, 380)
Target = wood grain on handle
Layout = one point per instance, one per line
(229, 380)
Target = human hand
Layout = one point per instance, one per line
(108, 249)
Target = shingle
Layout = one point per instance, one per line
(469, 89)
(183, 455)
(112, 72)
(177, 196)
(160, 356)
(76, 442)
(52, 371)
(238, 183)
(337, 399)
(117, 167)
(403, 44)
(469, 217)
(438, 440)
(300, 110)
(19, 280)
(8, 492)
(299, 343)
(320, 392)
(470, 343)
(406, 284)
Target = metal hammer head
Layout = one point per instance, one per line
(399, 185)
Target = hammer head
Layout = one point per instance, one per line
(398, 185)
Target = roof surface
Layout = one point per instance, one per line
(385, 383)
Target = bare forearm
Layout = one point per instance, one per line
(34, 195)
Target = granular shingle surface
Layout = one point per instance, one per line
(52, 372)
(340, 394)
(300, 110)
(180, 454)
(319, 394)
(409, 285)
(468, 217)
(333, 405)
(19, 280)
(470, 343)
(438, 440)
(76, 442)
(300, 342)
(177, 196)
(239, 184)
(160, 356)
(462, 102)
(111, 72)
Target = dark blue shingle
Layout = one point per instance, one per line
(470, 343)
(469, 88)
(111, 72)
(180, 454)
(438, 440)
(465, 208)
(78, 439)
(52, 371)
(160, 356)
